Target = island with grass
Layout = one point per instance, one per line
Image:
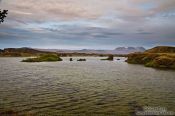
(158, 57)
(44, 58)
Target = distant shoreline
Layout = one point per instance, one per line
(29, 52)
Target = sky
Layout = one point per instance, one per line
(87, 24)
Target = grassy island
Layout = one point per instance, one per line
(158, 57)
(44, 58)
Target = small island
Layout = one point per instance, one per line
(44, 58)
(71, 59)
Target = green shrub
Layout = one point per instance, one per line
(163, 60)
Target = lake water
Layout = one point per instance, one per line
(92, 87)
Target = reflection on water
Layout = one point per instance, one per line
(92, 87)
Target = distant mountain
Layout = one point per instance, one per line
(161, 49)
(17, 52)
(124, 50)
(131, 48)
(119, 50)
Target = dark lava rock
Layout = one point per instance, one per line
(81, 60)
(71, 59)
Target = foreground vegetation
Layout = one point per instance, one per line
(158, 57)
(44, 58)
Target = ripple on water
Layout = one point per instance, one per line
(92, 87)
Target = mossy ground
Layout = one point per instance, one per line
(156, 60)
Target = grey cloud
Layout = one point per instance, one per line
(145, 33)
(83, 21)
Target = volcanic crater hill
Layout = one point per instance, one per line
(20, 52)
(157, 57)
(128, 50)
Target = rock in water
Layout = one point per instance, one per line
(110, 58)
(81, 60)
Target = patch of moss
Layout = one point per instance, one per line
(162, 62)
(44, 58)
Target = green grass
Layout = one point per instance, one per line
(44, 58)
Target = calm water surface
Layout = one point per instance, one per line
(91, 87)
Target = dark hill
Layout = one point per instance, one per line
(17, 52)
(21, 50)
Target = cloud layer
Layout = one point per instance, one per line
(88, 24)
